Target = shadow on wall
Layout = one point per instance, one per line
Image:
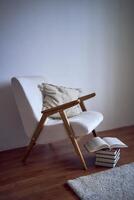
(11, 129)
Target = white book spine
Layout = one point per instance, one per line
(112, 157)
(108, 152)
(106, 160)
(107, 164)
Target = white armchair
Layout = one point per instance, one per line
(42, 129)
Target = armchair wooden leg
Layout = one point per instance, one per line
(72, 138)
(78, 151)
(29, 149)
(34, 137)
(94, 133)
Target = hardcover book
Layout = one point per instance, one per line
(113, 157)
(102, 155)
(108, 152)
(107, 164)
(108, 160)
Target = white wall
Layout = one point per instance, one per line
(78, 43)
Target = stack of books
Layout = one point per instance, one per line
(107, 158)
(107, 150)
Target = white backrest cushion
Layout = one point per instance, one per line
(29, 100)
(54, 95)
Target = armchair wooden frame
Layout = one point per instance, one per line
(61, 109)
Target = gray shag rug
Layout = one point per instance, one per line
(113, 184)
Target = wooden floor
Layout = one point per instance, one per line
(50, 166)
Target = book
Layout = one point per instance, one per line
(98, 155)
(113, 157)
(109, 152)
(107, 164)
(106, 160)
(98, 143)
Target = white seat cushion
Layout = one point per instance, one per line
(86, 122)
(82, 124)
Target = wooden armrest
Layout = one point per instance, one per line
(83, 98)
(70, 104)
(64, 106)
